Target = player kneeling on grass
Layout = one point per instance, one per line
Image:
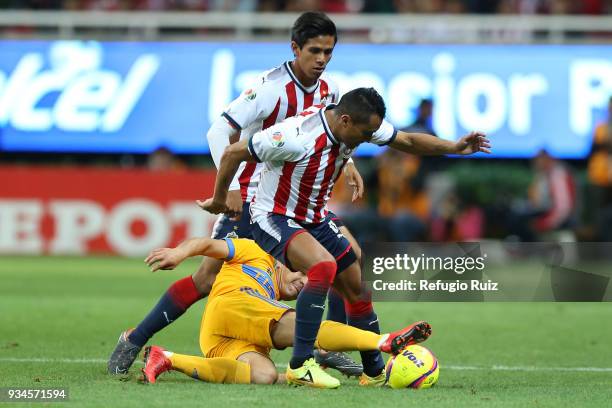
(244, 319)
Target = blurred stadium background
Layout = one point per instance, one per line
(104, 106)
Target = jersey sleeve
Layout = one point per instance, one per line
(277, 143)
(254, 104)
(243, 251)
(385, 134)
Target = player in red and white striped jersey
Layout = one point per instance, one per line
(280, 95)
(303, 157)
(281, 92)
(312, 159)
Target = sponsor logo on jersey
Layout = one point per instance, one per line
(278, 140)
(250, 94)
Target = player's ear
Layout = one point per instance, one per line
(295, 48)
(346, 120)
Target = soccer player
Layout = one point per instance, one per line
(244, 319)
(281, 93)
(303, 157)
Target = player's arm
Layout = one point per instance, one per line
(233, 155)
(170, 258)
(220, 135)
(353, 179)
(277, 143)
(424, 144)
(250, 106)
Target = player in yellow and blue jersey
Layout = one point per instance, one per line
(245, 318)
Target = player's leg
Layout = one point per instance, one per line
(336, 312)
(263, 370)
(173, 303)
(306, 254)
(338, 337)
(360, 314)
(215, 370)
(291, 244)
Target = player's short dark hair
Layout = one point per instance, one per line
(311, 25)
(361, 103)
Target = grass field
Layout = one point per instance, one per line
(60, 317)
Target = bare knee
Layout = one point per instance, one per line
(263, 370)
(263, 375)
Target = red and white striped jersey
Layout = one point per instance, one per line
(278, 96)
(303, 160)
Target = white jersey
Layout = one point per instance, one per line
(303, 160)
(278, 96)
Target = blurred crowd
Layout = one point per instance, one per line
(410, 198)
(330, 6)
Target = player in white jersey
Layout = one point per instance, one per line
(303, 158)
(280, 93)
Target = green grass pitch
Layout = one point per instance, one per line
(60, 317)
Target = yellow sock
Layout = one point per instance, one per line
(334, 336)
(214, 370)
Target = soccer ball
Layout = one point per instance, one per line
(414, 367)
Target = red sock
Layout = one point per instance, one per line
(184, 293)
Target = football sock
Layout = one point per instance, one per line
(335, 307)
(178, 298)
(309, 311)
(334, 336)
(361, 315)
(213, 370)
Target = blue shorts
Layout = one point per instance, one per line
(225, 227)
(274, 232)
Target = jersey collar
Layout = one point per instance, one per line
(330, 135)
(298, 83)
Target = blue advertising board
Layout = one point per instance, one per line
(84, 96)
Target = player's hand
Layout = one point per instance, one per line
(354, 180)
(234, 204)
(213, 206)
(472, 143)
(164, 258)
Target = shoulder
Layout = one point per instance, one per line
(273, 81)
(332, 87)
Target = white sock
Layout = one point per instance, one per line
(383, 338)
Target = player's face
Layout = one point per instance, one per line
(353, 134)
(293, 282)
(313, 57)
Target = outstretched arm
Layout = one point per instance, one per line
(423, 144)
(170, 258)
(232, 156)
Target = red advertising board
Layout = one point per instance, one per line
(80, 210)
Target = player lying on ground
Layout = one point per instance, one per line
(279, 93)
(303, 157)
(244, 319)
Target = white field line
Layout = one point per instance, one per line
(281, 365)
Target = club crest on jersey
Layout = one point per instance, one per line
(250, 94)
(278, 139)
